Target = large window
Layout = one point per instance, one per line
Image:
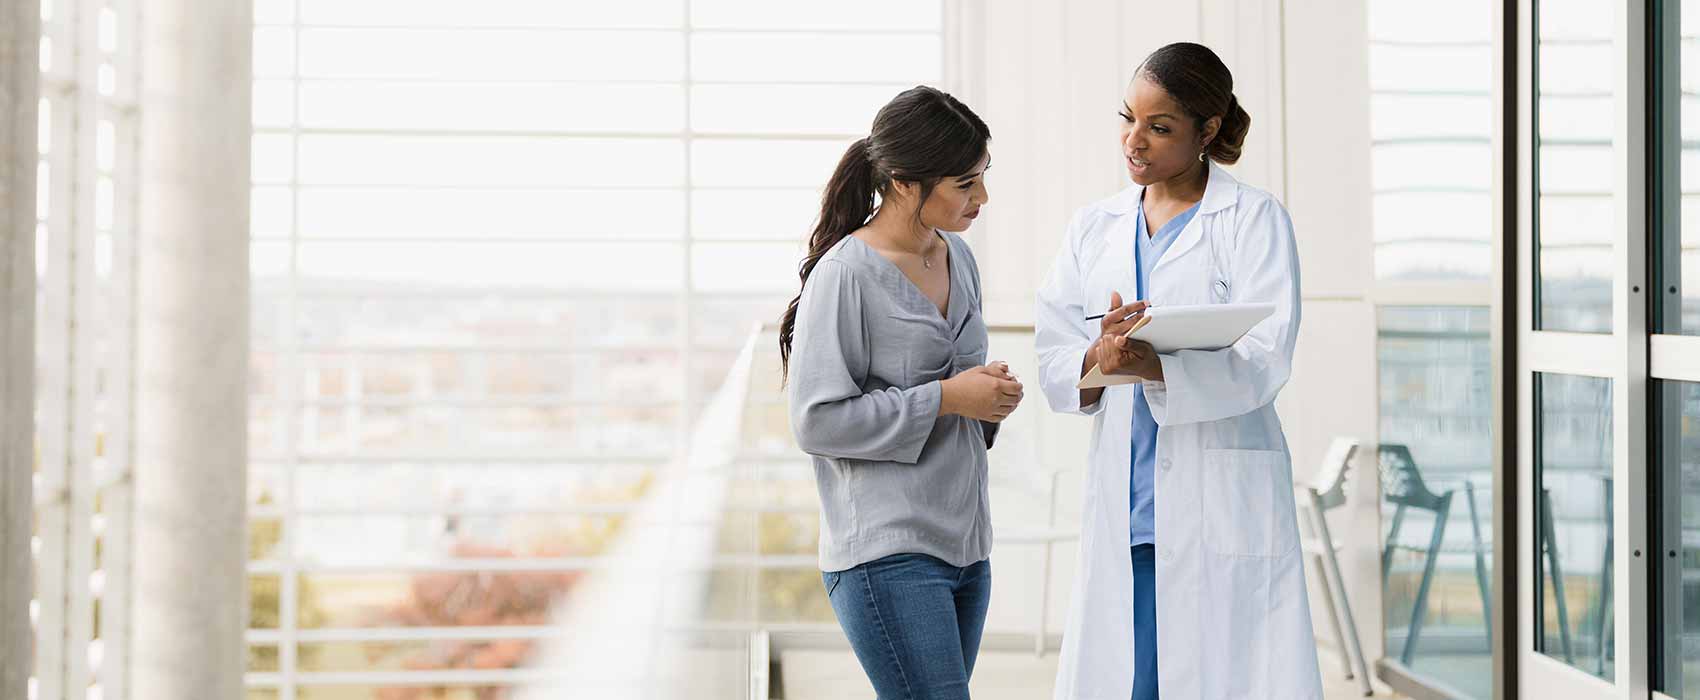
(503, 253)
(1431, 120)
(1676, 273)
(1574, 529)
(1580, 393)
(1678, 454)
(1607, 407)
(1674, 262)
(1435, 457)
(1573, 125)
(85, 255)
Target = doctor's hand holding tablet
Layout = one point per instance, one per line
(1130, 348)
(1116, 353)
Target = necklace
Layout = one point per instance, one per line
(927, 257)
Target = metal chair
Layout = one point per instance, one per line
(1599, 617)
(1402, 485)
(1325, 491)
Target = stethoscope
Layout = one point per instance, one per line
(1220, 288)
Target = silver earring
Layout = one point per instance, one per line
(1201, 156)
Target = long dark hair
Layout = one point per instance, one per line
(920, 136)
(1204, 87)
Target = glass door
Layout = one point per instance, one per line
(1582, 349)
(1674, 357)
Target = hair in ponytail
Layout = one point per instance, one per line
(921, 136)
(1197, 79)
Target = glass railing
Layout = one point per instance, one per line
(1435, 460)
(714, 581)
(705, 578)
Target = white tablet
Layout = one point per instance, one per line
(1172, 328)
(1204, 327)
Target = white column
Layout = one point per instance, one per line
(192, 351)
(20, 34)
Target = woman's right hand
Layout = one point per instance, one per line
(989, 393)
(1117, 321)
(1121, 317)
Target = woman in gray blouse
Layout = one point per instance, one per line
(892, 397)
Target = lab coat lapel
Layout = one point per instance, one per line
(1114, 269)
(1220, 192)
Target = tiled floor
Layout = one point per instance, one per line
(834, 675)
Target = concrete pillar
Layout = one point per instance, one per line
(20, 35)
(192, 350)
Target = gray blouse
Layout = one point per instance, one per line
(868, 353)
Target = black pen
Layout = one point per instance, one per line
(1106, 313)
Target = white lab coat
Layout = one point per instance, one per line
(1232, 616)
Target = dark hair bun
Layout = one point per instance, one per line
(1230, 138)
(1196, 78)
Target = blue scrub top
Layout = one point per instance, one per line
(1142, 525)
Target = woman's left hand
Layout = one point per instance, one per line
(1118, 354)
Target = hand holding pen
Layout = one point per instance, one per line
(1114, 352)
(1121, 317)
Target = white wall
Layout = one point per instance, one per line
(1048, 78)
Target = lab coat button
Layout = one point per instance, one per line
(1166, 464)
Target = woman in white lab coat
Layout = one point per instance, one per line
(1188, 516)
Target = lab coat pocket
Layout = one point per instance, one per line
(1241, 514)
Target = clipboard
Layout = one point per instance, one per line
(1174, 328)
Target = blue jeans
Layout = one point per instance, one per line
(1144, 622)
(914, 622)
